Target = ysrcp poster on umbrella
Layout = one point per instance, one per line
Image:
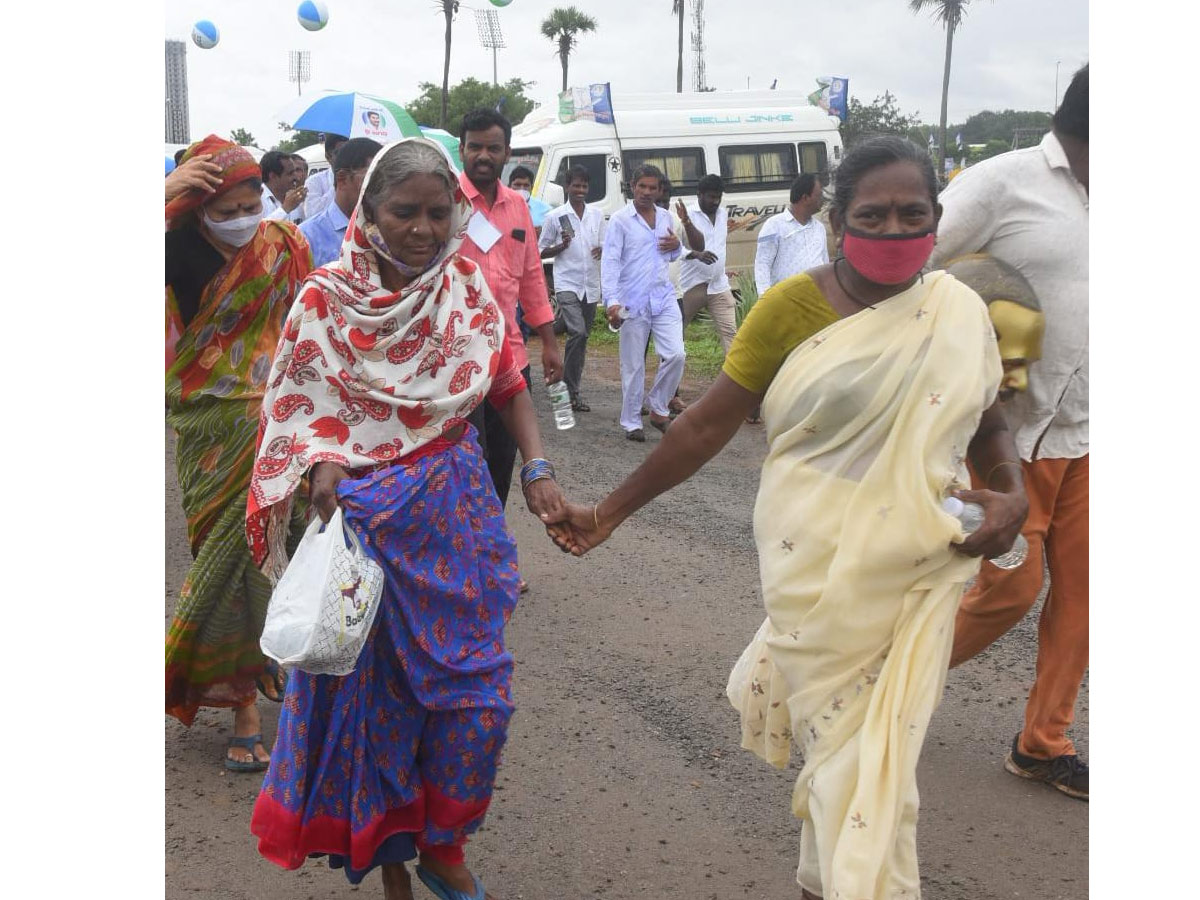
(831, 94)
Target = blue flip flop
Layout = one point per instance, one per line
(444, 891)
(245, 743)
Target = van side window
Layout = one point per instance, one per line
(597, 171)
(683, 166)
(757, 167)
(813, 158)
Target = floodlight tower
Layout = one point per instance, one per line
(299, 67)
(488, 24)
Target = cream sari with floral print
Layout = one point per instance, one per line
(868, 424)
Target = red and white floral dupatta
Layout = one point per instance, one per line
(364, 376)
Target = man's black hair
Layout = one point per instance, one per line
(710, 183)
(520, 172)
(577, 173)
(272, 163)
(482, 119)
(355, 154)
(1071, 117)
(802, 186)
(333, 141)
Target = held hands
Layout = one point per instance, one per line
(322, 488)
(579, 530)
(1003, 516)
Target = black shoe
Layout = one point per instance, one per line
(1068, 774)
(578, 405)
(636, 435)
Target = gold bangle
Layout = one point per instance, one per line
(1008, 462)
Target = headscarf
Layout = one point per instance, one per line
(364, 375)
(237, 165)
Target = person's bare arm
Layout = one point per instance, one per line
(993, 455)
(544, 497)
(695, 437)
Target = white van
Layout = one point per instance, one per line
(757, 141)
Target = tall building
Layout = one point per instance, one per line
(178, 127)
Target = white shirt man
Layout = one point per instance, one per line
(575, 268)
(273, 209)
(634, 280)
(575, 251)
(702, 276)
(320, 192)
(1029, 208)
(278, 171)
(794, 240)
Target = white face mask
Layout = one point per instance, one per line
(524, 194)
(235, 232)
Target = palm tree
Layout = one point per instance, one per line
(677, 8)
(447, 8)
(950, 13)
(562, 26)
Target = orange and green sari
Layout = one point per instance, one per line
(215, 388)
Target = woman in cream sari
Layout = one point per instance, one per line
(878, 385)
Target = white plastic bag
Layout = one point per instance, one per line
(322, 608)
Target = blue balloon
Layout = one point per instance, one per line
(205, 34)
(313, 15)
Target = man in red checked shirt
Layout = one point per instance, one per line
(501, 239)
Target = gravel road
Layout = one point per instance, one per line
(622, 777)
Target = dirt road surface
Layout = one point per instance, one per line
(622, 778)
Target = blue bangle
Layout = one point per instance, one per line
(536, 470)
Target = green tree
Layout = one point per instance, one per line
(467, 95)
(448, 8)
(243, 137)
(562, 26)
(677, 9)
(296, 140)
(950, 13)
(881, 116)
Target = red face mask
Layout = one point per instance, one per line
(887, 258)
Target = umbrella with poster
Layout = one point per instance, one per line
(351, 114)
(447, 140)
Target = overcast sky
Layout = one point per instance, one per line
(1004, 54)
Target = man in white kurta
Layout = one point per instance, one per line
(575, 250)
(702, 273)
(639, 299)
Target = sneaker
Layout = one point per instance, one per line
(1068, 774)
(580, 405)
(636, 435)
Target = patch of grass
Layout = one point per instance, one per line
(704, 351)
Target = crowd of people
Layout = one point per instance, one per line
(371, 360)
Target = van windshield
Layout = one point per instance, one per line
(529, 157)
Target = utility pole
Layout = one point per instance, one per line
(699, 79)
(1056, 65)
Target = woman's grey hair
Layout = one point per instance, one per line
(401, 163)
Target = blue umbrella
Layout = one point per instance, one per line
(351, 114)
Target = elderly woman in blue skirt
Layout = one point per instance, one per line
(383, 357)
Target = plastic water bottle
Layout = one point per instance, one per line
(622, 315)
(971, 516)
(560, 402)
